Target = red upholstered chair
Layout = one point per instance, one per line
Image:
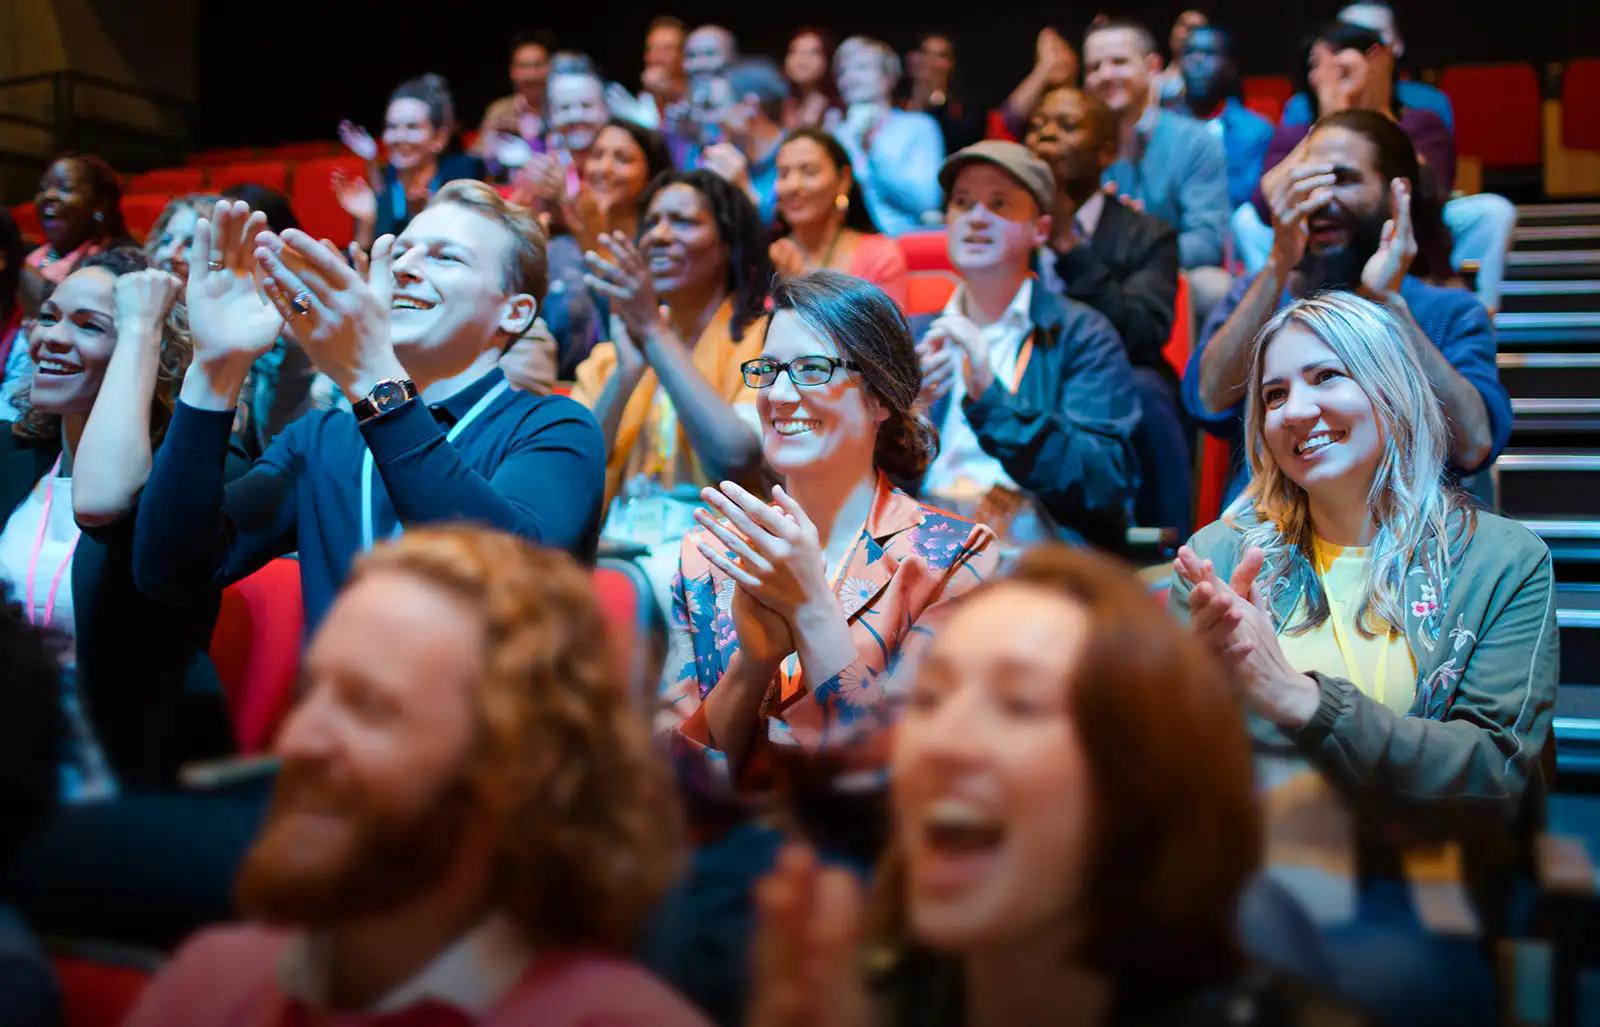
(1498, 113)
(636, 620)
(95, 993)
(314, 203)
(140, 211)
(995, 127)
(167, 180)
(27, 218)
(256, 650)
(1266, 94)
(216, 158)
(274, 174)
(928, 291)
(925, 251)
(1181, 342)
(1580, 105)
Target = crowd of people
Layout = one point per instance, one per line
(916, 745)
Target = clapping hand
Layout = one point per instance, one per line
(142, 299)
(228, 318)
(341, 321)
(805, 961)
(940, 365)
(355, 196)
(1232, 619)
(530, 363)
(627, 281)
(779, 557)
(967, 339)
(727, 162)
(358, 140)
(1397, 247)
(786, 258)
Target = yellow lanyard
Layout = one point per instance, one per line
(1346, 650)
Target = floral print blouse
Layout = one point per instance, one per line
(911, 563)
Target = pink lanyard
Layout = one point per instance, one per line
(38, 547)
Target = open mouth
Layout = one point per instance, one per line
(410, 303)
(1318, 441)
(663, 263)
(1325, 229)
(958, 842)
(791, 426)
(52, 366)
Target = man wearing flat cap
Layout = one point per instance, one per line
(1032, 393)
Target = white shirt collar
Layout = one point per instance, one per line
(1088, 216)
(473, 974)
(1017, 311)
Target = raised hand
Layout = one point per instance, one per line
(968, 340)
(541, 181)
(510, 150)
(142, 299)
(355, 196)
(1397, 247)
(805, 961)
(358, 140)
(341, 321)
(229, 319)
(940, 365)
(627, 281)
(1306, 190)
(786, 258)
(729, 164)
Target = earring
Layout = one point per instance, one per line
(842, 202)
(99, 215)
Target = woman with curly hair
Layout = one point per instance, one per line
(470, 823)
(109, 352)
(1392, 643)
(80, 207)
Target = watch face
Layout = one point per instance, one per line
(388, 394)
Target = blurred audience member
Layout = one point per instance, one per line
(414, 347)
(1396, 649)
(1031, 392)
(15, 368)
(744, 110)
(1381, 19)
(1055, 859)
(663, 77)
(895, 154)
(1169, 164)
(469, 825)
(1055, 63)
(823, 221)
(1123, 263)
(1211, 94)
(933, 81)
(1170, 86)
(577, 110)
(1350, 215)
(79, 204)
(708, 51)
(806, 64)
(514, 126)
(417, 129)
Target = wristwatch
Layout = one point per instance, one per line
(387, 395)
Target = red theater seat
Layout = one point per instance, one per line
(1266, 94)
(314, 203)
(1498, 113)
(927, 292)
(1580, 105)
(256, 649)
(1181, 342)
(95, 993)
(140, 211)
(274, 174)
(215, 158)
(630, 609)
(27, 218)
(925, 251)
(167, 180)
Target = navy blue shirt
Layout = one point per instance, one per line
(1452, 319)
(530, 465)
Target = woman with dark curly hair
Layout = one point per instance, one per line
(80, 207)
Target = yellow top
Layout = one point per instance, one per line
(1381, 667)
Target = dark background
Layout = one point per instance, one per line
(289, 70)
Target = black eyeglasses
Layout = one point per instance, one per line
(818, 370)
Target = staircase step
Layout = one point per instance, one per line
(1551, 295)
(1543, 213)
(1553, 376)
(1554, 237)
(1550, 320)
(1548, 483)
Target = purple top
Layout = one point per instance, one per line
(1435, 146)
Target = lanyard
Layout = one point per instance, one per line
(38, 547)
(367, 463)
(1347, 651)
(1023, 357)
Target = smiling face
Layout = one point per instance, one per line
(615, 169)
(682, 249)
(809, 183)
(409, 134)
(171, 250)
(863, 77)
(936, 62)
(806, 62)
(71, 343)
(450, 300)
(990, 786)
(1318, 425)
(66, 204)
(1062, 133)
(530, 69)
(577, 109)
(707, 51)
(372, 800)
(992, 222)
(811, 428)
(1118, 71)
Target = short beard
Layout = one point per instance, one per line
(384, 861)
(1339, 270)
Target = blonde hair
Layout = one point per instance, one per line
(886, 54)
(586, 822)
(527, 265)
(201, 203)
(1414, 510)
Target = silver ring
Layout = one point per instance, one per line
(215, 265)
(301, 303)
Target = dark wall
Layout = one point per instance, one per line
(292, 73)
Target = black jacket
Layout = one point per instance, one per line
(1065, 434)
(142, 668)
(1129, 273)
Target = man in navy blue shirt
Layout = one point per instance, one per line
(1344, 219)
(436, 433)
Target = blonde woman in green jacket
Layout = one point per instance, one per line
(1396, 648)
